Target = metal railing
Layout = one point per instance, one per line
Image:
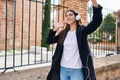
(22, 47)
(103, 42)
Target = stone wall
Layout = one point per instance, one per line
(107, 68)
(38, 72)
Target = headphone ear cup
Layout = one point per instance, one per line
(77, 17)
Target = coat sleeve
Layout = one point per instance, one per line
(96, 20)
(52, 37)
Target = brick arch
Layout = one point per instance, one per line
(78, 5)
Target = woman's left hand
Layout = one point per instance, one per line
(94, 2)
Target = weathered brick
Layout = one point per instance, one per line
(117, 28)
(11, 12)
(78, 5)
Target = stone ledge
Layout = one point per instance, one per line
(111, 67)
(34, 72)
(107, 68)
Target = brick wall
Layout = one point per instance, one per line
(18, 23)
(77, 5)
(3, 22)
(118, 36)
(118, 29)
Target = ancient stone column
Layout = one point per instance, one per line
(117, 31)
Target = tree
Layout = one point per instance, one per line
(46, 23)
(108, 26)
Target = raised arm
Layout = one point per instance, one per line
(97, 18)
(52, 38)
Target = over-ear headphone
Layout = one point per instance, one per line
(77, 16)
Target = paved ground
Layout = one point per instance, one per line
(44, 57)
(31, 58)
(26, 59)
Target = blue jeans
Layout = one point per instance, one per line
(71, 74)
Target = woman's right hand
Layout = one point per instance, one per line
(58, 25)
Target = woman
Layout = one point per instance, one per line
(72, 58)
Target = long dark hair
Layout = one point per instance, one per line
(63, 33)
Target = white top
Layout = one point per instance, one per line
(71, 57)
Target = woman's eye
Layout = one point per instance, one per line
(70, 14)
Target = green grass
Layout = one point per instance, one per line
(0, 51)
(18, 50)
(9, 51)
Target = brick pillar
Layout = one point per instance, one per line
(77, 5)
(118, 31)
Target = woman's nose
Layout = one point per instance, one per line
(67, 17)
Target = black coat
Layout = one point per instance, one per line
(84, 50)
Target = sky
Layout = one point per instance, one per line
(110, 4)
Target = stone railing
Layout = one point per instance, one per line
(108, 68)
